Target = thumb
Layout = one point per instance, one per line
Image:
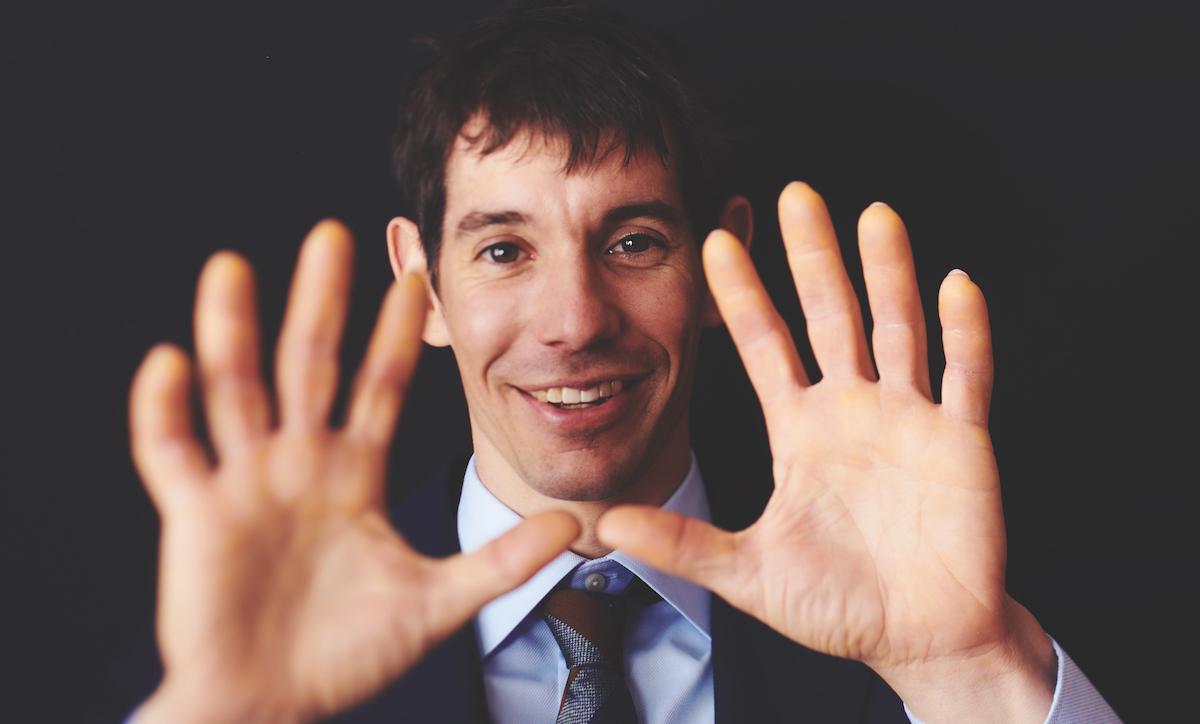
(474, 579)
(673, 543)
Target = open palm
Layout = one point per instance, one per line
(884, 538)
(284, 593)
(886, 516)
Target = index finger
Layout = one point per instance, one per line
(379, 388)
(759, 333)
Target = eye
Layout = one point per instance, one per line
(634, 244)
(504, 252)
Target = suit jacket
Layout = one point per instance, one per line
(758, 675)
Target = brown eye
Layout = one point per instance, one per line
(633, 244)
(503, 253)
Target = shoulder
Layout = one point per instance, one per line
(427, 513)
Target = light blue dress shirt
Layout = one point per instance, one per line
(668, 647)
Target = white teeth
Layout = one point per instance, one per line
(572, 396)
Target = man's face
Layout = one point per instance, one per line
(573, 305)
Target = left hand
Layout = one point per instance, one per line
(884, 538)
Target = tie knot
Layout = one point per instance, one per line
(589, 628)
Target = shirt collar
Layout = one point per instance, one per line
(482, 518)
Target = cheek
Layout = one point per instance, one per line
(670, 315)
(482, 327)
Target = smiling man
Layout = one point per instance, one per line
(558, 178)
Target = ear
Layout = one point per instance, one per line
(407, 254)
(737, 217)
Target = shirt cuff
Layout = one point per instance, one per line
(1076, 700)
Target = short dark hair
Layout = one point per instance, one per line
(601, 82)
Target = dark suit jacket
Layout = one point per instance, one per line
(758, 676)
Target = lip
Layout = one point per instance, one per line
(589, 420)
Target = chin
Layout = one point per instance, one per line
(593, 476)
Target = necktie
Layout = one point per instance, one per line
(590, 631)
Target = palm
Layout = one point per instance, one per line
(886, 511)
(328, 579)
(284, 592)
(885, 516)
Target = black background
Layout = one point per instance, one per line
(1048, 151)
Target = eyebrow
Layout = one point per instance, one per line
(477, 220)
(653, 209)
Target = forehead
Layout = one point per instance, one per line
(531, 172)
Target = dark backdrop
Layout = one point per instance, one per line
(1049, 151)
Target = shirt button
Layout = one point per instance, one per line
(595, 582)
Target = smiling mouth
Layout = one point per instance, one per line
(570, 398)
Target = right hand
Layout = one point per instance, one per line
(284, 594)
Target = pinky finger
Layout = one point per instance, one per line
(164, 445)
(967, 339)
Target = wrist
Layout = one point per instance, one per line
(1011, 680)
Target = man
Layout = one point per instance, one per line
(557, 170)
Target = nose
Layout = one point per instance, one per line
(576, 307)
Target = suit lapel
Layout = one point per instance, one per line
(761, 676)
(447, 684)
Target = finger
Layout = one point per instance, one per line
(759, 333)
(673, 543)
(899, 340)
(378, 393)
(306, 362)
(967, 339)
(227, 351)
(164, 445)
(466, 582)
(831, 310)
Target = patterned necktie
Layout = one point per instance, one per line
(590, 631)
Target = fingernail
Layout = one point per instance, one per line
(876, 203)
(958, 273)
